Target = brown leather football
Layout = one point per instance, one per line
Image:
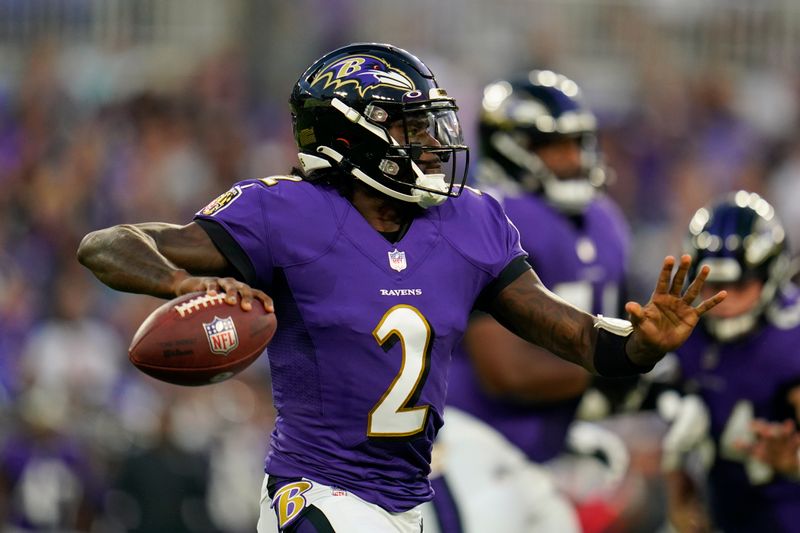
(198, 339)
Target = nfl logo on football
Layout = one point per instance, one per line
(222, 337)
(397, 260)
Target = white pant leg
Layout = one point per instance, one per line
(494, 485)
(267, 521)
(346, 512)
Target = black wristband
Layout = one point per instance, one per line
(610, 358)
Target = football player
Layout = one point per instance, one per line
(540, 160)
(741, 373)
(373, 254)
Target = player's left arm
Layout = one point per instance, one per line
(530, 310)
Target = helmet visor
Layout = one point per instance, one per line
(431, 140)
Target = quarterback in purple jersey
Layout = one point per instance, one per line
(540, 160)
(373, 255)
(743, 365)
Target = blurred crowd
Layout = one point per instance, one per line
(88, 443)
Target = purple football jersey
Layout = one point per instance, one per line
(749, 375)
(584, 262)
(366, 327)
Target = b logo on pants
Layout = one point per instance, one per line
(290, 502)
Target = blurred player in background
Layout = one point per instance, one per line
(741, 375)
(374, 255)
(540, 159)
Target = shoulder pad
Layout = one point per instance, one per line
(476, 225)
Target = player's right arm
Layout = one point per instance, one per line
(529, 309)
(163, 260)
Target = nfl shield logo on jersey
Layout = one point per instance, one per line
(222, 337)
(397, 260)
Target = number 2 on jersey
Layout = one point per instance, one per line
(393, 415)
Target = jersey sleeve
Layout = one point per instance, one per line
(512, 271)
(495, 243)
(237, 223)
(484, 235)
(268, 223)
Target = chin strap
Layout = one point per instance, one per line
(361, 176)
(311, 162)
(431, 181)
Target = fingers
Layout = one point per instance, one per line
(635, 311)
(764, 429)
(190, 284)
(776, 444)
(666, 273)
(789, 426)
(711, 302)
(231, 289)
(234, 288)
(237, 291)
(680, 275)
(265, 300)
(759, 426)
(696, 285)
(211, 285)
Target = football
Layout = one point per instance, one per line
(198, 339)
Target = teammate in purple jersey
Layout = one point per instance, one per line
(742, 363)
(373, 273)
(540, 160)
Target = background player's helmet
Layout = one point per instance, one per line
(740, 238)
(520, 114)
(344, 104)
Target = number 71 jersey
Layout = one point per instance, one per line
(366, 327)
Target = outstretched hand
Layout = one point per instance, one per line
(667, 320)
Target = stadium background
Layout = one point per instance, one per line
(120, 111)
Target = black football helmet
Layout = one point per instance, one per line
(740, 238)
(521, 114)
(376, 112)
